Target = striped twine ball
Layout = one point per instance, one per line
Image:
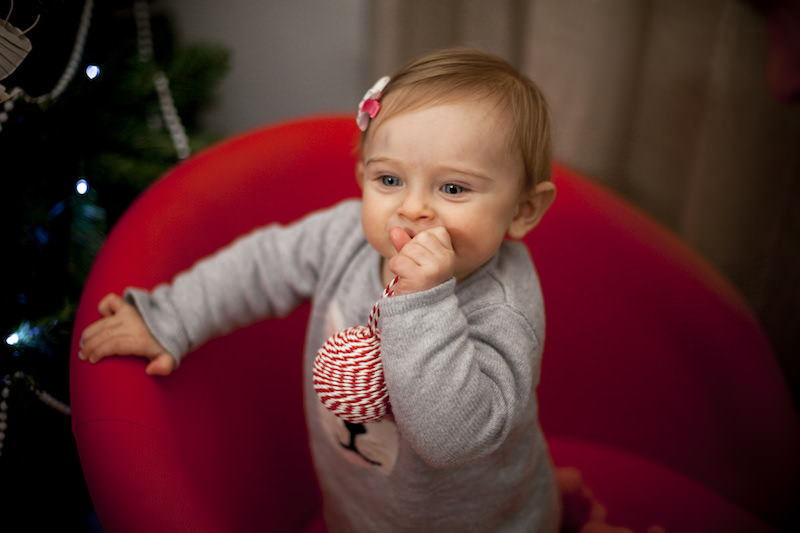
(348, 372)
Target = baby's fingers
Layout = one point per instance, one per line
(441, 238)
(101, 327)
(103, 342)
(110, 304)
(399, 238)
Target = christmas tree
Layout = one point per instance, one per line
(104, 101)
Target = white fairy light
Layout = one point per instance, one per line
(92, 71)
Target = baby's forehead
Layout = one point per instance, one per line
(395, 106)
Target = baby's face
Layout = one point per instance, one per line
(449, 165)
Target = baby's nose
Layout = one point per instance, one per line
(416, 206)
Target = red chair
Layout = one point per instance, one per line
(658, 383)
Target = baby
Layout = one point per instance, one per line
(454, 168)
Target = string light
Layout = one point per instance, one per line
(144, 39)
(144, 42)
(82, 186)
(17, 93)
(30, 384)
(74, 58)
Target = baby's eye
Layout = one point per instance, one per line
(452, 188)
(390, 181)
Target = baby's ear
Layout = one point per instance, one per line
(531, 208)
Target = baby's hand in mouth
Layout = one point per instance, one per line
(423, 261)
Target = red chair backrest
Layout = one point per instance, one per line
(648, 350)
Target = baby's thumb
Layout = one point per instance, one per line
(163, 365)
(399, 238)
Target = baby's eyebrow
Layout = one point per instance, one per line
(466, 171)
(372, 160)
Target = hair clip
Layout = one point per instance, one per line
(370, 104)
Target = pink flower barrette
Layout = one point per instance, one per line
(370, 104)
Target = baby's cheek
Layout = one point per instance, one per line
(378, 239)
(474, 246)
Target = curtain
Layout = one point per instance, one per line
(665, 102)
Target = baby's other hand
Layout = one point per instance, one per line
(422, 262)
(581, 511)
(122, 331)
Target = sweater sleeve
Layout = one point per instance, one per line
(265, 273)
(458, 382)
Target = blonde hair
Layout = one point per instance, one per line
(449, 75)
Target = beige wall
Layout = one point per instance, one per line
(288, 57)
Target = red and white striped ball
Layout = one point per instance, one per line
(348, 376)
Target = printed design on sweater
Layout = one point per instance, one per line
(372, 445)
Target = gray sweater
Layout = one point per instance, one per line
(462, 450)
